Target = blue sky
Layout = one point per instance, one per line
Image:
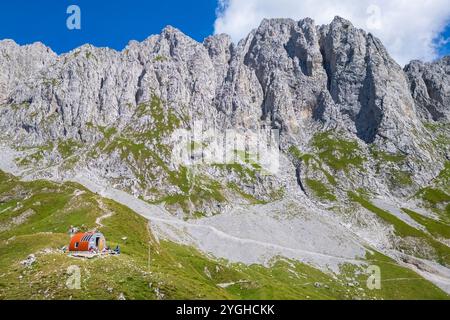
(114, 23)
(445, 50)
(109, 23)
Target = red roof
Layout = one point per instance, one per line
(80, 241)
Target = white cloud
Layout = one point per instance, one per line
(408, 28)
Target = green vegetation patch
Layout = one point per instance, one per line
(108, 132)
(37, 155)
(444, 178)
(437, 196)
(338, 154)
(404, 230)
(312, 162)
(195, 190)
(386, 156)
(441, 134)
(67, 148)
(160, 58)
(165, 119)
(436, 200)
(250, 198)
(19, 106)
(150, 269)
(434, 196)
(400, 283)
(436, 228)
(400, 179)
(320, 190)
(245, 173)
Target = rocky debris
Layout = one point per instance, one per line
(159, 294)
(289, 75)
(14, 194)
(73, 230)
(207, 273)
(49, 251)
(23, 217)
(421, 265)
(18, 207)
(18, 220)
(29, 261)
(111, 114)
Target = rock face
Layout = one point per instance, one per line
(348, 114)
(19, 64)
(286, 73)
(430, 88)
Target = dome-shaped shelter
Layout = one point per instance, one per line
(87, 242)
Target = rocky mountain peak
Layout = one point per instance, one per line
(20, 63)
(294, 76)
(361, 155)
(430, 88)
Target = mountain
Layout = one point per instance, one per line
(363, 151)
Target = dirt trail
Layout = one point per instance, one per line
(208, 238)
(107, 214)
(163, 219)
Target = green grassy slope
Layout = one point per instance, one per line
(148, 269)
(437, 250)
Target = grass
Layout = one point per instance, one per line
(165, 119)
(148, 269)
(434, 196)
(444, 175)
(437, 196)
(436, 228)
(338, 154)
(194, 191)
(67, 148)
(160, 58)
(400, 283)
(250, 198)
(37, 155)
(440, 252)
(400, 179)
(320, 190)
(51, 82)
(16, 107)
(313, 163)
(402, 229)
(245, 174)
(298, 155)
(441, 135)
(143, 148)
(386, 156)
(437, 200)
(108, 132)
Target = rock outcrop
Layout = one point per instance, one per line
(430, 88)
(320, 86)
